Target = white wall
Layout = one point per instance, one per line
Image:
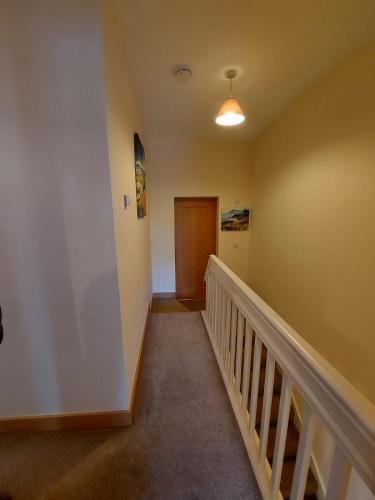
(313, 243)
(62, 350)
(132, 235)
(205, 168)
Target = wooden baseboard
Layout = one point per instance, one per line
(64, 421)
(164, 295)
(92, 420)
(137, 373)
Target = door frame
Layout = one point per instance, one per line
(194, 198)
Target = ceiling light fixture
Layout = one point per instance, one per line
(230, 112)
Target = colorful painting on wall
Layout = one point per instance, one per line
(236, 219)
(140, 176)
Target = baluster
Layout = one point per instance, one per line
(266, 409)
(231, 315)
(213, 311)
(224, 307)
(246, 367)
(222, 320)
(227, 330)
(339, 476)
(303, 454)
(240, 324)
(212, 308)
(218, 316)
(210, 296)
(216, 310)
(233, 342)
(281, 433)
(255, 382)
(207, 298)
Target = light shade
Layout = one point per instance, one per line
(230, 113)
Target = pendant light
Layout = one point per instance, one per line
(230, 112)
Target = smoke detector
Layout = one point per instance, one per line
(183, 73)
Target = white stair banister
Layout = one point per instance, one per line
(246, 367)
(266, 409)
(303, 455)
(255, 383)
(339, 476)
(233, 342)
(227, 330)
(282, 427)
(240, 324)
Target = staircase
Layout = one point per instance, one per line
(264, 363)
(292, 437)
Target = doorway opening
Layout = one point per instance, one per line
(195, 240)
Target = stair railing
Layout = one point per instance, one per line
(239, 323)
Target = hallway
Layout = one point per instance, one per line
(184, 443)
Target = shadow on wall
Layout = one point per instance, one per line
(62, 350)
(101, 343)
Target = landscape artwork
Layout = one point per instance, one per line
(236, 219)
(140, 176)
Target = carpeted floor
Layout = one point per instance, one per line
(184, 444)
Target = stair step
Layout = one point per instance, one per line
(263, 359)
(278, 379)
(274, 410)
(287, 479)
(275, 398)
(291, 444)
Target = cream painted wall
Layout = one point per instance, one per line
(131, 234)
(62, 350)
(207, 168)
(313, 241)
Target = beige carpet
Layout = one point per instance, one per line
(184, 444)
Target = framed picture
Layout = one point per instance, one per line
(235, 219)
(140, 176)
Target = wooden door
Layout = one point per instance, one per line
(195, 241)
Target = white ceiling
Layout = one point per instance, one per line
(280, 47)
